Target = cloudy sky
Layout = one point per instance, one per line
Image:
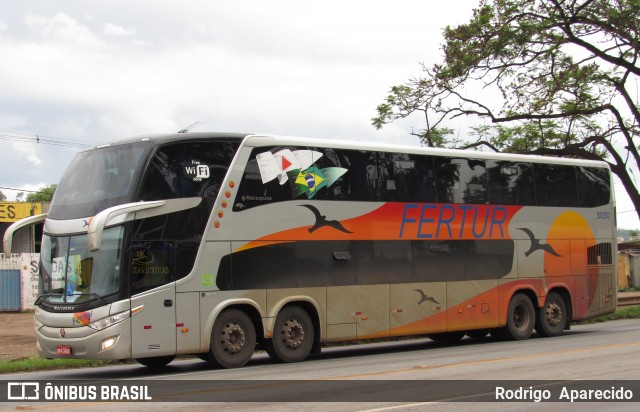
(95, 71)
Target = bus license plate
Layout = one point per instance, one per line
(63, 350)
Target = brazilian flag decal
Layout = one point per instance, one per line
(311, 180)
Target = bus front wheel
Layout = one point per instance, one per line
(293, 336)
(552, 317)
(233, 339)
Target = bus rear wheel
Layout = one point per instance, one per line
(155, 361)
(293, 336)
(552, 317)
(233, 339)
(521, 319)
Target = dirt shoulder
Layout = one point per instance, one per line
(17, 336)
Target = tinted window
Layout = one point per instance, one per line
(510, 183)
(253, 191)
(314, 263)
(98, 179)
(555, 185)
(461, 180)
(406, 178)
(193, 169)
(190, 169)
(357, 174)
(151, 265)
(593, 186)
(278, 174)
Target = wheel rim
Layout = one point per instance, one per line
(554, 314)
(292, 333)
(520, 317)
(232, 337)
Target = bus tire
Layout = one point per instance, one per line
(233, 339)
(155, 361)
(552, 317)
(521, 318)
(293, 336)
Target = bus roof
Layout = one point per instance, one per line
(258, 140)
(273, 140)
(175, 137)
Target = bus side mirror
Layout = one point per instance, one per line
(118, 214)
(102, 219)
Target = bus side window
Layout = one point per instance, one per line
(182, 170)
(406, 178)
(359, 183)
(461, 180)
(555, 185)
(151, 265)
(593, 186)
(510, 183)
(253, 192)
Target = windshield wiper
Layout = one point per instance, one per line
(97, 297)
(62, 296)
(47, 295)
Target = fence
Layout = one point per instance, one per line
(18, 281)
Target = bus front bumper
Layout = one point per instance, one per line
(83, 342)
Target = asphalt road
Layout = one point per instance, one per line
(386, 376)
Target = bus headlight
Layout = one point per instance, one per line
(110, 320)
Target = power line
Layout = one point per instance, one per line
(34, 138)
(19, 190)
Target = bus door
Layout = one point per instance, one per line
(153, 329)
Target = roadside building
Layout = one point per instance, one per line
(629, 264)
(25, 240)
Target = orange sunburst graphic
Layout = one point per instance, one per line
(571, 235)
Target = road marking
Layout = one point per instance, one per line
(402, 406)
(485, 361)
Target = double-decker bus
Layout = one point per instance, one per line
(215, 244)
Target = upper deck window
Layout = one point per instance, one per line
(181, 170)
(187, 169)
(98, 179)
(357, 175)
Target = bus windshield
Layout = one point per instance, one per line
(70, 273)
(98, 179)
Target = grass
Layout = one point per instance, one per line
(39, 364)
(625, 312)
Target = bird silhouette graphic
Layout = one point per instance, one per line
(321, 221)
(424, 298)
(536, 245)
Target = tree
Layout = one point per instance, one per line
(553, 77)
(43, 195)
(2, 196)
